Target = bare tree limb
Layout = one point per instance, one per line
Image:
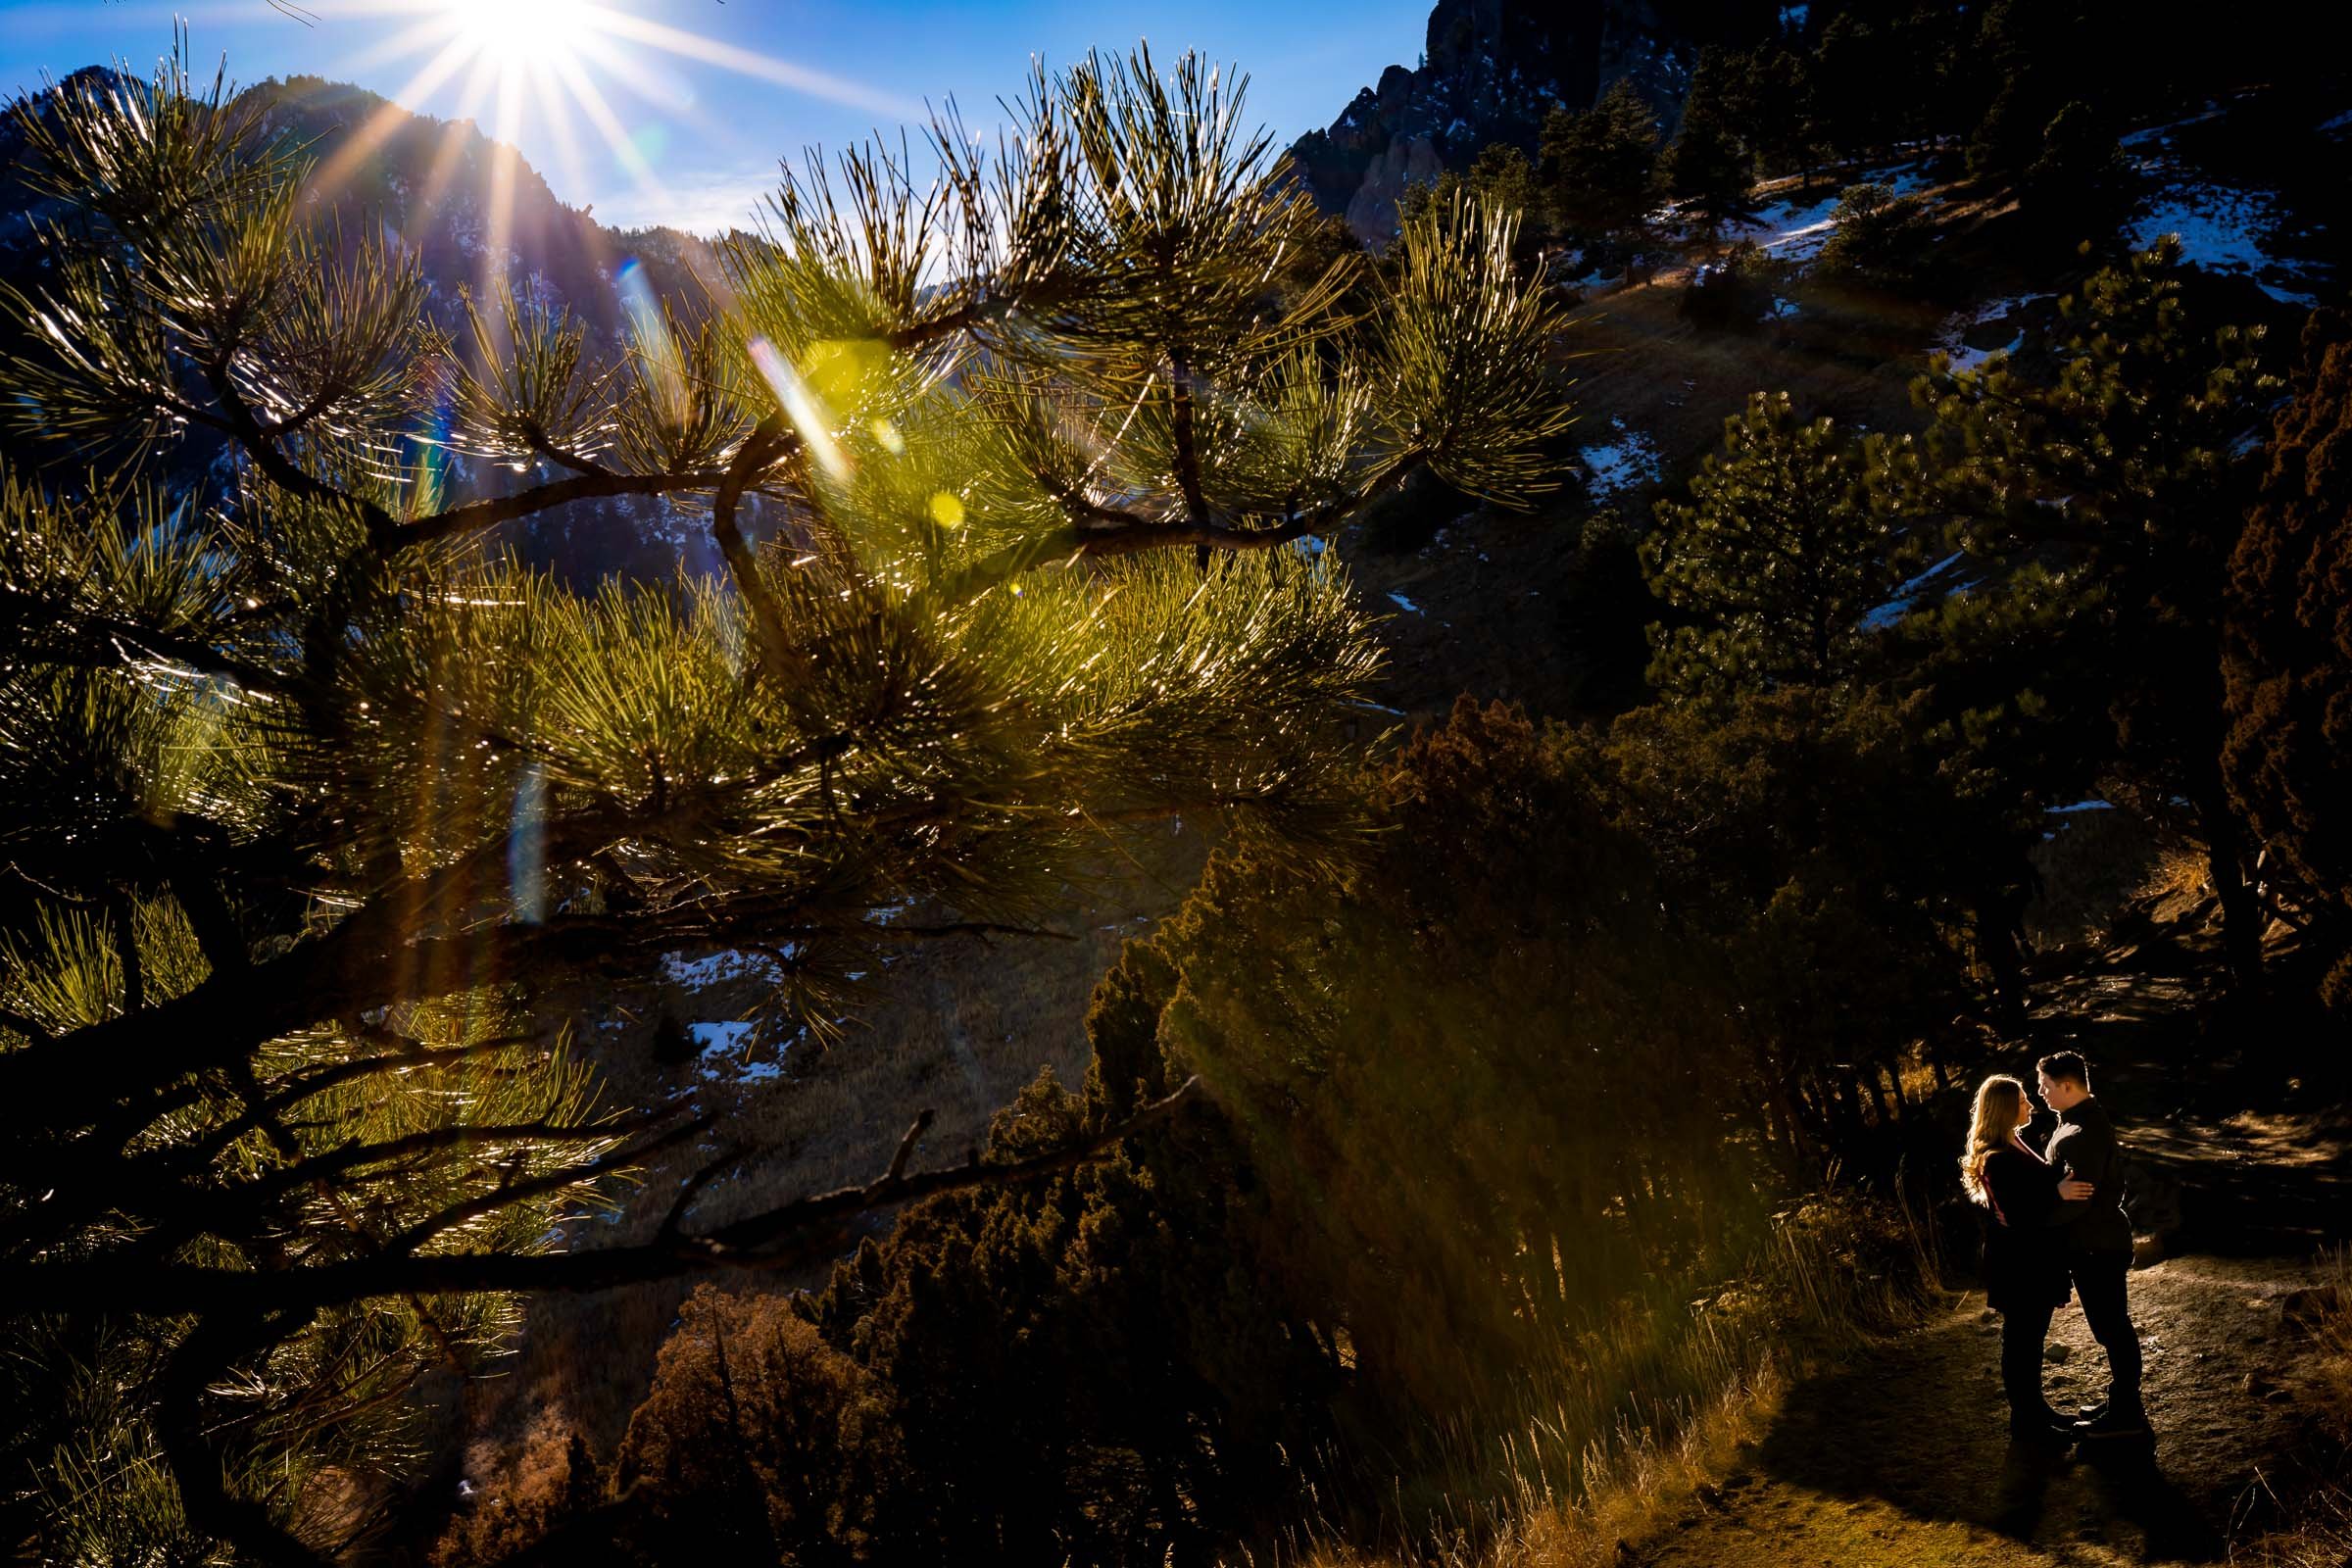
(906, 1144)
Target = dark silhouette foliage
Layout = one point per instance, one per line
(2287, 667)
(1879, 239)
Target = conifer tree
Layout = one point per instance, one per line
(1851, 67)
(1499, 179)
(1599, 166)
(2130, 470)
(313, 792)
(2079, 187)
(1708, 165)
(1878, 237)
(2288, 664)
(1774, 564)
(1778, 104)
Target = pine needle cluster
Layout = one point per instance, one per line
(314, 790)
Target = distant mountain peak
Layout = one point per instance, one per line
(1491, 69)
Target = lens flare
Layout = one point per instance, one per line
(802, 407)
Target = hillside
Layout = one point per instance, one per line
(1347, 917)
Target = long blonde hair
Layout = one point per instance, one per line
(2001, 1110)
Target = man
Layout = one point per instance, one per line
(2098, 1239)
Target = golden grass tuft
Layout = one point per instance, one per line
(1617, 1435)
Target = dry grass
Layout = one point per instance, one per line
(1632, 1420)
(2320, 1535)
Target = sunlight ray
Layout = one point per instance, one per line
(608, 125)
(363, 144)
(415, 38)
(557, 107)
(437, 180)
(745, 62)
(498, 227)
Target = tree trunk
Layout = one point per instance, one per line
(2225, 867)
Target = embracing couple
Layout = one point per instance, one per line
(2054, 1225)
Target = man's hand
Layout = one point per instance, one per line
(2075, 1191)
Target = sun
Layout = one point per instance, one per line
(552, 69)
(521, 33)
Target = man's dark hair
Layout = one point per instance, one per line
(2067, 1065)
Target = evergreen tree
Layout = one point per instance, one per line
(1852, 67)
(1879, 238)
(1501, 179)
(313, 794)
(2079, 187)
(1707, 167)
(2130, 470)
(1774, 563)
(1778, 110)
(1599, 166)
(2287, 667)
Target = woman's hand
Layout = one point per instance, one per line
(2075, 1191)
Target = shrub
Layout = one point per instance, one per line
(1734, 290)
(1880, 238)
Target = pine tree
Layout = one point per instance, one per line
(1778, 102)
(1707, 167)
(1851, 69)
(2288, 664)
(2130, 472)
(1774, 563)
(2079, 187)
(1499, 179)
(313, 792)
(1878, 237)
(1598, 167)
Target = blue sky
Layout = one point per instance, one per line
(703, 96)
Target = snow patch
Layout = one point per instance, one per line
(719, 1039)
(1952, 339)
(1406, 604)
(724, 1045)
(2162, 136)
(2078, 805)
(2223, 230)
(696, 974)
(1905, 595)
(1629, 461)
(1796, 230)
(1791, 230)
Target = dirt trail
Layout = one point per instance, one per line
(1901, 1456)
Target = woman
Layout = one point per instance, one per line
(2024, 1258)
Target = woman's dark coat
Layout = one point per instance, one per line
(2024, 1258)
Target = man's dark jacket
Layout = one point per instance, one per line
(2084, 1145)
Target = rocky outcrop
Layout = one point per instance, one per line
(1492, 70)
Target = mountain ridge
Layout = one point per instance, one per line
(1491, 72)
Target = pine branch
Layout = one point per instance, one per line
(780, 1238)
(767, 442)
